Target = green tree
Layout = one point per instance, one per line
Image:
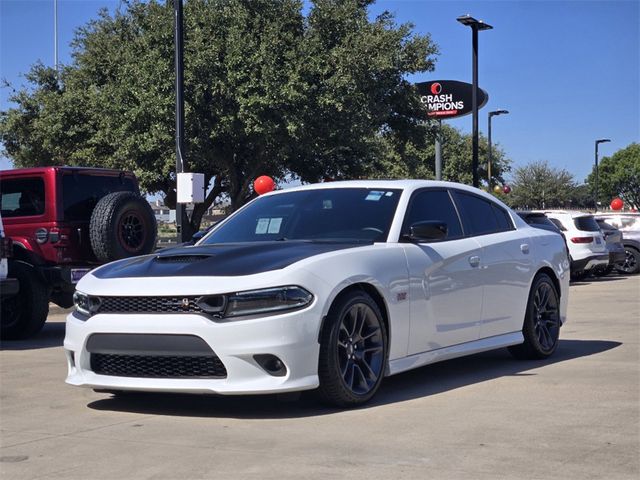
(411, 160)
(538, 185)
(267, 91)
(619, 176)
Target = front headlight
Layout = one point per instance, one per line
(267, 300)
(86, 305)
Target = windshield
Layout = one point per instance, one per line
(335, 214)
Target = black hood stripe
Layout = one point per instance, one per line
(224, 260)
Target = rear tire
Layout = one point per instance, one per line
(24, 314)
(122, 225)
(541, 327)
(631, 264)
(353, 351)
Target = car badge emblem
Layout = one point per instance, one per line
(185, 303)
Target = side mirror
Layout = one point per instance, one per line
(429, 231)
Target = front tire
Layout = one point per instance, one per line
(541, 328)
(24, 314)
(353, 351)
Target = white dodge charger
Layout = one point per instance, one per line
(331, 287)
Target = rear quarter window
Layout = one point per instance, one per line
(22, 197)
(586, 224)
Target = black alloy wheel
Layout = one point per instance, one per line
(132, 231)
(541, 328)
(353, 351)
(631, 262)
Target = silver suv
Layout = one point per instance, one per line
(629, 225)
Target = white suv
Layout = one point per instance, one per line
(586, 243)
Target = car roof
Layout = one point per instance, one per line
(570, 213)
(409, 185)
(63, 168)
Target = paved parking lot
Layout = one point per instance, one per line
(486, 416)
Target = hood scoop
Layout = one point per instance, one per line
(181, 258)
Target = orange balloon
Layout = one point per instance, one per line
(264, 184)
(617, 204)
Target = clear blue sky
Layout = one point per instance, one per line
(568, 71)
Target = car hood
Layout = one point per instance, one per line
(225, 260)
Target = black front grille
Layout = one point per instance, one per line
(158, 366)
(149, 305)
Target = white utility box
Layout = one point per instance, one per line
(190, 188)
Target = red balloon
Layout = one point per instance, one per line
(617, 204)
(506, 189)
(263, 185)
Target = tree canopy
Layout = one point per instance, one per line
(619, 176)
(268, 90)
(538, 185)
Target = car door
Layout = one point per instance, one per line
(506, 263)
(445, 285)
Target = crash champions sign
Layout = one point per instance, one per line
(448, 98)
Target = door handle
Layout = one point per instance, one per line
(474, 260)
(524, 248)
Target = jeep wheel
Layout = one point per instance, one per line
(24, 314)
(122, 225)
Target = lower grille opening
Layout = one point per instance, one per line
(158, 366)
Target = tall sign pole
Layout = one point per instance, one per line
(55, 37)
(474, 108)
(179, 67)
(476, 26)
(595, 199)
(439, 151)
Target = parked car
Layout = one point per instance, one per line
(586, 243)
(540, 220)
(64, 221)
(330, 286)
(8, 286)
(629, 225)
(613, 239)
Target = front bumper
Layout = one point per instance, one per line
(588, 263)
(291, 337)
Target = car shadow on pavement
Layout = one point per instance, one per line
(590, 280)
(422, 382)
(51, 335)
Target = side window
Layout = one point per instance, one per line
(477, 214)
(22, 197)
(433, 205)
(503, 218)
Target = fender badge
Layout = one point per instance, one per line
(401, 296)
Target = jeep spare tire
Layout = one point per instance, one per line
(122, 225)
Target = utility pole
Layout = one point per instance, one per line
(179, 67)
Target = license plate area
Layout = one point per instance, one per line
(78, 273)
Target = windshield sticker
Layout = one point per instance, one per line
(274, 225)
(327, 204)
(388, 194)
(268, 225)
(374, 196)
(263, 225)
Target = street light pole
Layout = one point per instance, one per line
(598, 142)
(55, 38)
(476, 26)
(179, 67)
(491, 114)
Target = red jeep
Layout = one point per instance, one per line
(63, 222)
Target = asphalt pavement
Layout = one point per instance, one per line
(575, 416)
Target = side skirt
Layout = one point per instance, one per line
(454, 351)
